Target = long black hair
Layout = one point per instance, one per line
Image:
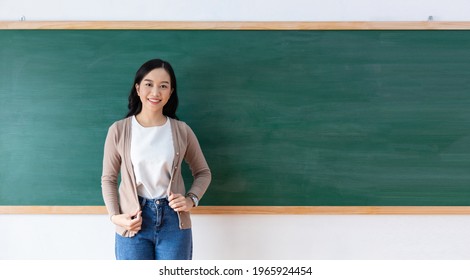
(135, 105)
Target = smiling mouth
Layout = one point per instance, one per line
(154, 101)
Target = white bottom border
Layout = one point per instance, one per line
(237, 269)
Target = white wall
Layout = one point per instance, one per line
(336, 237)
(246, 236)
(236, 10)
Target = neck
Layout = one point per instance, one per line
(147, 120)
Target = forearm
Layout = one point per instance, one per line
(110, 194)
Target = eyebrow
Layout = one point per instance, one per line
(148, 80)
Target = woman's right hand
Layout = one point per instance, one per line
(131, 222)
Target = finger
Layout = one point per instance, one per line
(177, 203)
(136, 228)
(137, 220)
(129, 221)
(135, 225)
(173, 201)
(134, 216)
(181, 206)
(175, 196)
(174, 207)
(172, 204)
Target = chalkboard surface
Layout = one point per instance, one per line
(286, 118)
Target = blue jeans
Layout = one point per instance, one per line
(160, 237)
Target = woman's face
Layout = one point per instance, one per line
(154, 90)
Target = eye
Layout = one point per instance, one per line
(164, 86)
(148, 84)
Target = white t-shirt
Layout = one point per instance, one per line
(152, 154)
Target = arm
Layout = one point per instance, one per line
(200, 171)
(109, 185)
(111, 166)
(198, 165)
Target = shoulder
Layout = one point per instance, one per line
(181, 126)
(120, 124)
(183, 130)
(117, 129)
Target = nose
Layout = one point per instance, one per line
(155, 91)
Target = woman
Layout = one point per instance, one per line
(151, 206)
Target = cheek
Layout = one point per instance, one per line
(168, 95)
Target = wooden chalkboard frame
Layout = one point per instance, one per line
(242, 25)
(222, 25)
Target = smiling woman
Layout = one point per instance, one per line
(147, 148)
(157, 79)
(154, 92)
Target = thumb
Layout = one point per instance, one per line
(136, 215)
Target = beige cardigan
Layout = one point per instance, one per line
(117, 159)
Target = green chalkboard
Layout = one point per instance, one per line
(287, 118)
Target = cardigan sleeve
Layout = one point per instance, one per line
(111, 167)
(198, 165)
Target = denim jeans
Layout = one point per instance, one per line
(160, 237)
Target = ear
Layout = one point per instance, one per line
(137, 88)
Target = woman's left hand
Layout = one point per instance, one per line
(180, 203)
